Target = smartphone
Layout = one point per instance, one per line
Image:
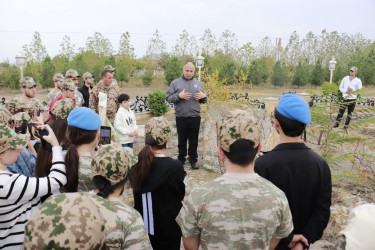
(105, 135)
(47, 147)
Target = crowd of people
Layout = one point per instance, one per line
(61, 189)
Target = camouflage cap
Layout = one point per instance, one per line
(71, 73)
(68, 221)
(58, 77)
(27, 82)
(5, 116)
(238, 124)
(87, 75)
(68, 84)
(109, 68)
(61, 109)
(159, 129)
(10, 140)
(113, 162)
(20, 117)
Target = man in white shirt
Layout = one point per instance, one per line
(348, 87)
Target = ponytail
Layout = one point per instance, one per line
(71, 164)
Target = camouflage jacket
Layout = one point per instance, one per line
(14, 107)
(131, 234)
(236, 211)
(112, 104)
(52, 95)
(78, 98)
(84, 173)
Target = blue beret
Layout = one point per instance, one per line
(84, 118)
(294, 107)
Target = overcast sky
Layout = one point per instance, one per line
(250, 20)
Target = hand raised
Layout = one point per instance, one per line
(184, 95)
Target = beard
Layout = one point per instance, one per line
(29, 95)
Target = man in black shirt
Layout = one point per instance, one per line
(88, 80)
(302, 174)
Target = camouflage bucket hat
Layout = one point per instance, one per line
(58, 77)
(27, 82)
(159, 129)
(62, 108)
(87, 75)
(113, 162)
(5, 116)
(109, 68)
(67, 221)
(71, 73)
(10, 140)
(68, 84)
(20, 117)
(238, 124)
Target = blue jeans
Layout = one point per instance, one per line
(129, 145)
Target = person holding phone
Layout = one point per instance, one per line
(83, 134)
(20, 195)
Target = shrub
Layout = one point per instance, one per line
(156, 102)
(173, 70)
(148, 77)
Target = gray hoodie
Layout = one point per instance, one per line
(185, 108)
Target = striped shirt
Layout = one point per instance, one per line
(20, 196)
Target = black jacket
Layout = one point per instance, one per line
(305, 178)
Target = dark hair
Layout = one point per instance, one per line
(104, 72)
(291, 128)
(44, 158)
(139, 173)
(242, 152)
(123, 97)
(76, 137)
(104, 186)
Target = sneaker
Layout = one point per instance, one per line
(194, 166)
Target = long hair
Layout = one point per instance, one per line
(44, 159)
(76, 137)
(140, 172)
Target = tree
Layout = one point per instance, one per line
(46, 75)
(185, 45)
(317, 74)
(301, 74)
(147, 77)
(125, 48)
(66, 48)
(156, 47)
(111, 60)
(246, 53)
(258, 71)
(228, 43)
(99, 45)
(32, 70)
(122, 69)
(279, 75)
(12, 77)
(173, 70)
(79, 64)
(35, 50)
(264, 48)
(208, 43)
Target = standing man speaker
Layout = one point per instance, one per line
(186, 93)
(349, 84)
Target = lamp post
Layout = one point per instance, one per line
(21, 62)
(199, 63)
(332, 65)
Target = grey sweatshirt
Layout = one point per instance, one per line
(185, 108)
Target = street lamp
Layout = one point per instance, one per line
(199, 63)
(21, 62)
(332, 65)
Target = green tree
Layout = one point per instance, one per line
(156, 47)
(147, 77)
(46, 75)
(173, 70)
(32, 70)
(80, 65)
(317, 74)
(11, 78)
(258, 71)
(301, 74)
(279, 74)
(99, 45)
(208, 43)
(125, 47)
(156, 102)
(35, 50)
(122, 69)
(111, 60)
(66, 48)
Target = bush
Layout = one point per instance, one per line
(173, 70)
(148, 77)
(156, 102)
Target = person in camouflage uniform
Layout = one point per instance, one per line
(112, 92)
(239, 210)
(5, 116)
(27, 102)
(110, 167)
(74, 76)
(58, 79)
(62, 108)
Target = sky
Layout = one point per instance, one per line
(250, 20)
